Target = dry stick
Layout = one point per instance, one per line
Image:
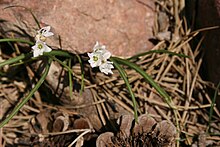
(177, 45)
(146, 59)
(161, 68)
(64, 132)
(23, 117)
(121, 103)
(30, 108)
(188, 99)
(86, 105)
(98, 107)
(81, 135)
(150, 55)
(194, 79)
(6, 140)
(180, 108)
(125, 98)
(197, 51)
(213, 138)
(162, 114)
(170, 64)
(103, 106)
(183, 108)
(180, 71)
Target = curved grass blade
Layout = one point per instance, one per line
(35, 18)
(24, 101)
(60, 53)
(16, 40)
(160, 90)
(82, 74)
(158, 51)
(28, 55)
(63, 64)
(124, 77)
(212, 106)
(15, 59)
(70, 79)
(67, 55)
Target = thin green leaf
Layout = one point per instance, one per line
(160, 90)
(25, 100)
(213, 105)
(16, 40)
(70, 80)
(60, 53)
(15, 59)
(82, 74)
(124, 77)
(63, 64)
(158, 51)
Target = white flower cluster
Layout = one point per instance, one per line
(40, 46)
(99, 58)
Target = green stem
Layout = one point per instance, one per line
(59, 53)
(212, 106)
(25, 100)
(82, 74)
(158, 51)
(70, 80)
(160, 90)
(15, 59)
(16, 40)
(124, 77)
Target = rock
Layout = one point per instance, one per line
(124, 26)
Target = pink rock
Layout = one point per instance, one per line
(124, 26)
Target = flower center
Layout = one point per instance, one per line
(95, 58)
(39, 46)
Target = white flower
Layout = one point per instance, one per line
(99, 58)
(102, 49)
(39, 48)
(98, 47)
(43, 33)
(106, 67)
(95, 59)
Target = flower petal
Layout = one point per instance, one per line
(106, 67)
(106, 55)
(37, 53)
(47, 49)
(48, 34)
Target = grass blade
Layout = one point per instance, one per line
(63, 64)
(124, 77)
(212, 106)
(60, 53)
(160, 90)
(15, 59)
(16, 40)
(82, 74)
(70, 80)
(158, 51)
(24, 101)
